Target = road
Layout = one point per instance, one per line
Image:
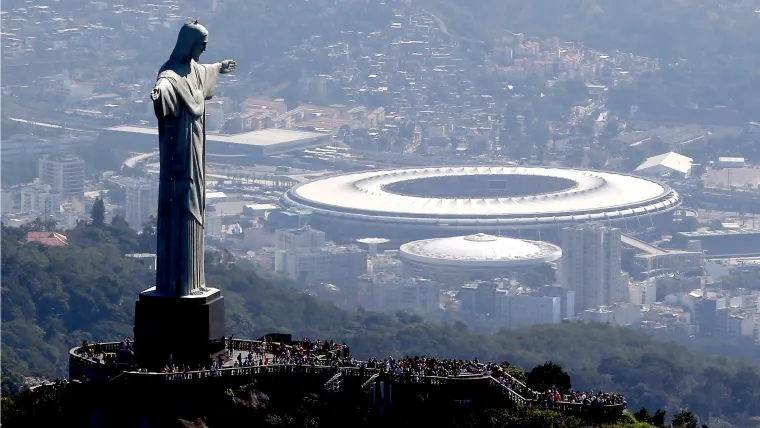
(706, 216)
(134, 160)
(253, 181)
(52, 126)
(445, 31)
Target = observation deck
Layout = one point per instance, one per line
(330, 368)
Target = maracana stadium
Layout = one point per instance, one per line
(424, 202)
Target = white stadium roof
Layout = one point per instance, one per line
(264, 137)
(595, 196)
(265, 142)
(479, 250)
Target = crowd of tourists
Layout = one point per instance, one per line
(96, 352)
(418, 366)
(578, 397)
(306, 352)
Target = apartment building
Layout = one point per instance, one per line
(64, 174)
(212, 224)
(643, 293)
(304, 265)
(40, 198)
(393, 293)
(513, 305)
(303, 255)
(590, 265)
(305, 237)
(526, 308)
(141, 201)
(347, 263)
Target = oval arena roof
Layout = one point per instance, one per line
(479, 250)
(595, 196)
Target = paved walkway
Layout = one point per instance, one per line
(243, 355)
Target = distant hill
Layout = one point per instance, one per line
(708, 51)
(668, 29)
(53, 298)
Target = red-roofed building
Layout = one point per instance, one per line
(53, 239)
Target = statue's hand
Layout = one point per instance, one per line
(228, 66)
(154, 94)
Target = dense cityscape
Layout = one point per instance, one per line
(401, 168)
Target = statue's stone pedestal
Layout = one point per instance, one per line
(189, 329)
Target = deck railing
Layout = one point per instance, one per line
(515, 395)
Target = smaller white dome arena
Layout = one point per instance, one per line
(479, 256)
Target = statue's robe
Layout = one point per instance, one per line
(183, 86)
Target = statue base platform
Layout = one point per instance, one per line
(182, 330)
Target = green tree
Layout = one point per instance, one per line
(119, 222)
(548, 375)
(511, 125)
(684, 419)
(147, 237)
(658, 419)
(98, 213)
(643, 416)
(611, 129)
(571, 92)
(597, 159)
(41, 225)
(575, 155)
(633, 157)
(538, 131)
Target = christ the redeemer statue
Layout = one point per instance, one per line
(182, 87)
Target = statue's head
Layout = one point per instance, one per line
(191, 42)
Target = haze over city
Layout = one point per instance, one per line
(544, 212)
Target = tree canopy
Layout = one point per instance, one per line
(548, 375)
(98, 213)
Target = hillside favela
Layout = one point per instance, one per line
(380, 213)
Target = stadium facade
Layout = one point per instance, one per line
(412, 203)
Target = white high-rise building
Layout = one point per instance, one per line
(527, 308)
(392, 293)
(306, 266)
(141, 202)
(590, 265)
(40, 198)
(64, 174)
(305, 237)
(212, 223)
(68, 217)
(643, 293)
(347, 263)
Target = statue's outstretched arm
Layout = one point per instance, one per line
(227, 66)
(210, 73)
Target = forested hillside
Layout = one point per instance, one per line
(53, 298)
(73, 405)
